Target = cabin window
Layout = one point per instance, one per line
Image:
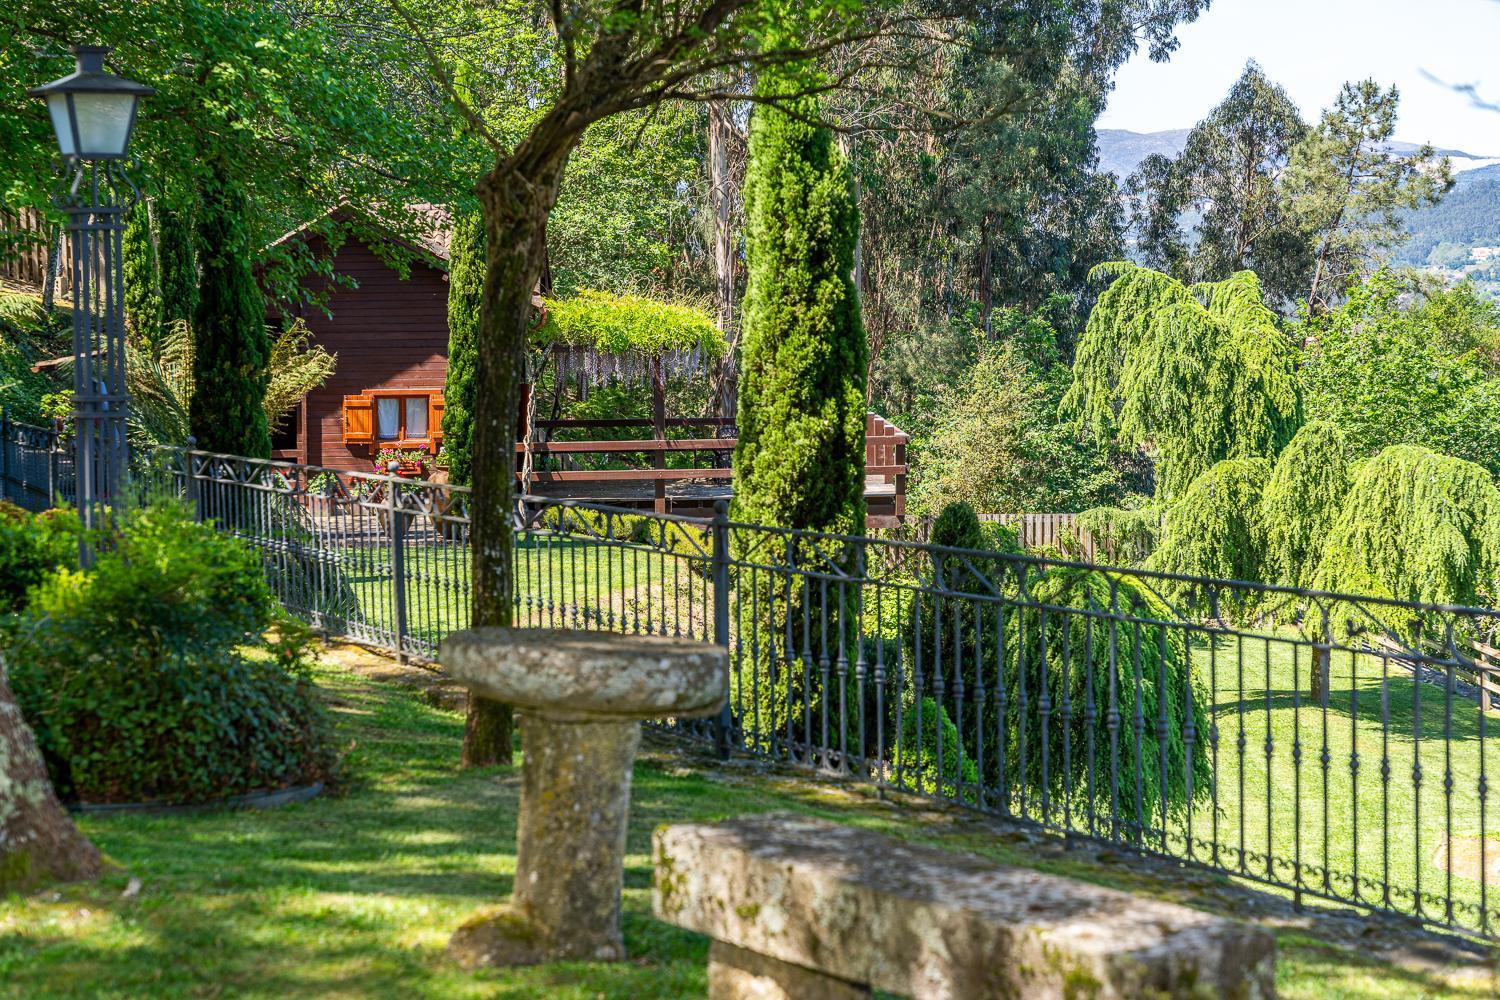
(399, 418)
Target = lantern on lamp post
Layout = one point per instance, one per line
(93, 113)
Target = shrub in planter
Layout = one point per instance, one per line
(143, 680)
(31, 547)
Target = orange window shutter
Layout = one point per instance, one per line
(359, 420)
(435, 416)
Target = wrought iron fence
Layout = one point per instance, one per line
(1328, 745)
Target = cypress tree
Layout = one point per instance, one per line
(466, 269)
(233, 346)
(799, 462)
(800, 458)
(138, 263)
(176, 261)
(1307, 487)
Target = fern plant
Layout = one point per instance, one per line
(160, 379)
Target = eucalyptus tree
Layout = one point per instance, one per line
(1229, 175)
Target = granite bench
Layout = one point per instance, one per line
(806, 909)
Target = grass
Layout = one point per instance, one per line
(1370, 834)
(356, 895)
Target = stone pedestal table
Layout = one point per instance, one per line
(581, 697)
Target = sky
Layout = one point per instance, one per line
(1311, 47)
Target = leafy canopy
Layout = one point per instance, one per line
(1308, 485)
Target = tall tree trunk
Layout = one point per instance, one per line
(516, 198)
(722, 194)
(38, 842)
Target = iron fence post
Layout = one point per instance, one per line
(4, 454)
(398, 560)
(191, 484)
(54, 448)
(720, 537)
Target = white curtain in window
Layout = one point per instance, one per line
(388, 418)
(416, 416)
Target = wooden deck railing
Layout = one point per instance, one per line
(885, 453)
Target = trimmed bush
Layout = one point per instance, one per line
(929, 757)
(141, 678)
(32, 546)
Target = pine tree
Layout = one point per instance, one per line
(1308, 485)
(139, 265)
(466, 268)
(800, 458)
(233, 346)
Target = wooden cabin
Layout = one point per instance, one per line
(390, 333)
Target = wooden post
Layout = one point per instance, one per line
(659, 429)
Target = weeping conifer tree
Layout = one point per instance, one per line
(1417, 526)
(1213, 530)
(1307, 487)
(1197, 374)
(233, 346)
(466, 267)
(138, 262)
(799, 462)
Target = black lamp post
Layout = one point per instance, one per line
(93, 112)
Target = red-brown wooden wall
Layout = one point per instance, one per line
(388, 333)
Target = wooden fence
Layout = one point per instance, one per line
(25, 250)
(1055, 533)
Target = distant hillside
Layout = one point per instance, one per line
(1468, 218)
(1121, 151)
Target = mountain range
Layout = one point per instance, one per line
(1121, 151)
(1460, 236)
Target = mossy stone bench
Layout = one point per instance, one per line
(805, 909)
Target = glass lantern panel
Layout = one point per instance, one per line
(103, 123)
(57, 107)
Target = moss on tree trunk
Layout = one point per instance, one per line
(516, 198)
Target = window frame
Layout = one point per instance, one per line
(401, 440)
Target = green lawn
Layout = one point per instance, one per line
(355, 895)
(1372, 835)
